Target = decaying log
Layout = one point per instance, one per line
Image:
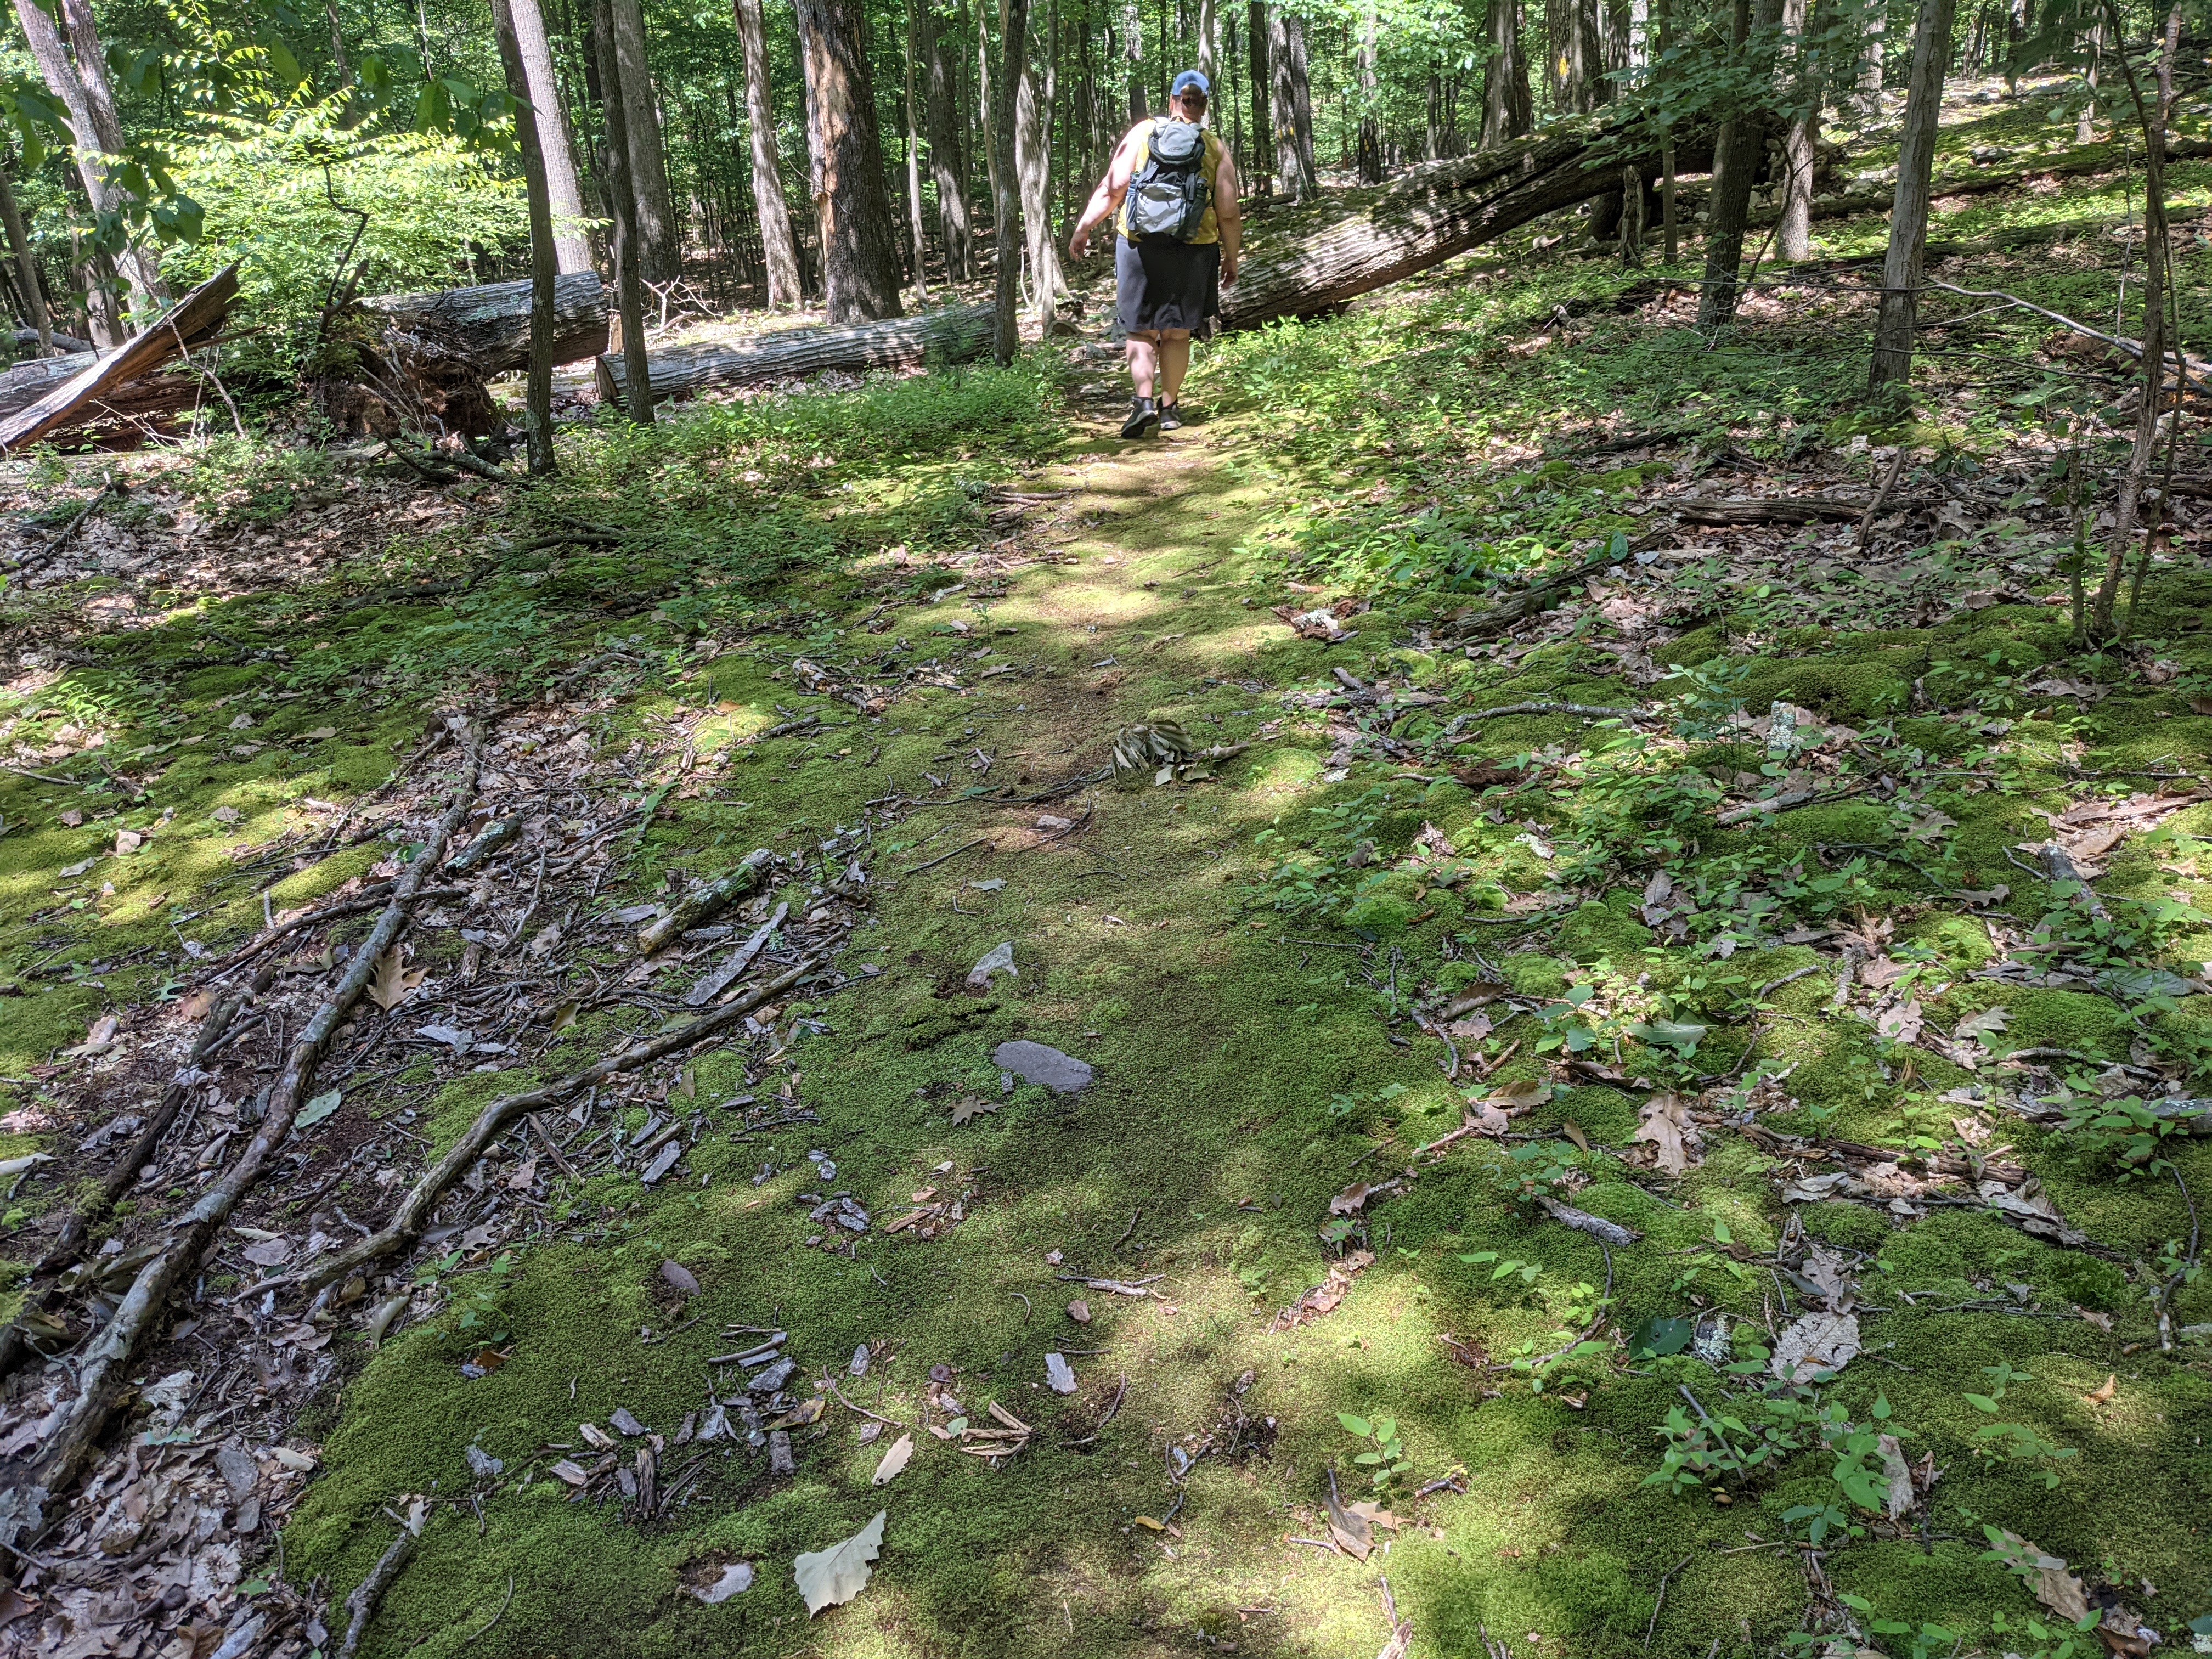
(1302, 261)
(489, 326)
(956, 335)
(108, 381)
(1770, 509)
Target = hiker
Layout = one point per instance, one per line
(1175, 236)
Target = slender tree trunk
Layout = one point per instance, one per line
(987, 107)
(544, 259)
(1876, 23)
(1370, 163)
(2085, 123)
(778, 250)
(1631, 217)
(572, 245)
(1736, 155)
(914, 159)
(659, 233)
(2153, 117)
(1793, 237)
(1133, 47)
(629, 287)
(1668, 227)
(1006, 328)
(1294, 158)
(27, 268)
(1206, 29)
(2015, 33)
(338, 60)
(1508, 110)
(1908, 219)
(1257, 72)
(859, 246)
(947, 164)
(1033, 171)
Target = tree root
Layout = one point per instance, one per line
(107, 1358)
(413, 1215)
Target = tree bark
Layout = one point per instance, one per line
(1207, 21)
(780, 252)
(572, 243)
(1133, 47)
(544, 258)
(947, 162)
(614, 97)
(860, 248)
(659, 238)
(1294, 157)
(2084, 122)
(337, 44)
(1033, 169)
(1005, 317)
(27, 268)
(1368, 164)
(1802, 21)
(492, 325)
(1263, 130)
(1737, 153)
(1908, 220)
(1508, 110)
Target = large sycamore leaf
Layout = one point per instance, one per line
(829, 1577)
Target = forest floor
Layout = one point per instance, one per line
(1566, 1012)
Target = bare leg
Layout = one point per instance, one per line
(1144, 358)
(1174, 361)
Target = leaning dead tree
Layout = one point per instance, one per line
(1310, 259)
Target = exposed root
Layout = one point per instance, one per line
(107, 1358)
(413, 1215)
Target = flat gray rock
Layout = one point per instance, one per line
(1033, 1062)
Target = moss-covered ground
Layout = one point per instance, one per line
(1254, 965)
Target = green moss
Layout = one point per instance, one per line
(1854, 1226)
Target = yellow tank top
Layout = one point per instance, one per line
(1208, 230)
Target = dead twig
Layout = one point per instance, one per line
(360, 1606)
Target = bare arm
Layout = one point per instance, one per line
(1108, 197)
(1226, 217)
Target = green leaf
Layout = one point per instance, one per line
(1358, 1425)
(1368, 1457)
(1881, 1409)
(1481, 1255)
(317, 1109)
(1385, 1427)
(1981, 1402)
(1722, 1235)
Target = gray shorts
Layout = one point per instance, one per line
(1159, 283)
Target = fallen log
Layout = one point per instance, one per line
(102, 384)
(489, 326)
(1302, 261)
(956, 335)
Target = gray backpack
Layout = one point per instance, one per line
(1171, 191)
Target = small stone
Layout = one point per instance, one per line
(1033, 1062)
(1080, 1311)
(779, 1460)
(622, 1419)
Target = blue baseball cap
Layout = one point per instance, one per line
(1189, 79)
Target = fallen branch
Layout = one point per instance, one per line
(360, 1606)
(108, 1358)
(702, 901)
(1606, 1232)
(1766, 509)
(1785, 802)
(1588, 710)
(413, 1215)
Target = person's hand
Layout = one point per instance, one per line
(1078, 246)
(1228, 269)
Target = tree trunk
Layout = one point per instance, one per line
(614, 98)
(1369, 164)
(1508, 110)
(1033, 170)
(1631, 217)
(572, 243)
(914, 163)
(1133, 47)
(778, 250)
(1263, 130)
(1005, 317)
(948, 335)
(1294, 158)
(987, 106)
(1793, 237)
(544, 260)
(860, 248)
(1870, 58)
(337, 44)
(2015, 33)
(2085, 123)
(947, 164)
(1737, 153)
(491, 326)
(659, 236)
(27, 268)
(1206, 22)
(1908, 219)
(2154, 116)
